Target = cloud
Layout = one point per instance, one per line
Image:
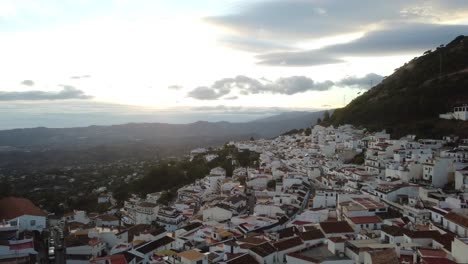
(367, 81)
(80, 77)
(246, 85)
(301, 18)
(175, 87)
(27, 83)
(207, 93)
(68, 92)
(251, 44)
(274, 29)
(287, 85)
(396, 39)
(297, 58)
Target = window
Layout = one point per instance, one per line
(200, 262)
(13, 223)
(32, 222)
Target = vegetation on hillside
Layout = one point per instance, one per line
(170, 176)
(411, 99)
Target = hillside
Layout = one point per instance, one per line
(411, 99)
(61, 146)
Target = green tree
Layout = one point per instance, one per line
(271, 184)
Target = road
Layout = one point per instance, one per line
(55, 233)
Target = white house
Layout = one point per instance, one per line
(461, 180)
(170, 218)
(436, 172)
(145, 213)
(459, 113)
(23, 213)
(457, 222)
(216, 214)
(460, 250)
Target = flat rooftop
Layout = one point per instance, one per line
(322, 253)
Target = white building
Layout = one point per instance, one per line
(460, 250)
(145, 213)
(461, 180)
(459, 113)
(170, 218)
(216, 214)
(436, 172)
(22, 213)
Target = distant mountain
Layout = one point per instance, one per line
(411, 99)
(41, 147)
(161, 134)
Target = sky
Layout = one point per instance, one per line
(83, 62)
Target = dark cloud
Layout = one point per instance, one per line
(68, 92)
(398, 39)
(80, 77)
(175, 87)
(365, 82)
(273, 28)
(308, 18)
(27, 83)
(207, 93)
(289, 85)
(246, 85)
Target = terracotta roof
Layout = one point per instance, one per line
(393, 230)
(244, 259)
(114, 259)
(288, 243)
(264, 249)
(108, 218)
(311, 235)
(337, 239)
(12, 207)
(432, 253)
(192, 226)
(366, 220)
(154, 245)
(437, 261)
(192, 255)
(336, 227)
(288, 232)
(387, 256)
(422, 234)
(457, 219)
(446, 240)
(302, 257)
(147, 205)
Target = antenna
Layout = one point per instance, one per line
(344, 100)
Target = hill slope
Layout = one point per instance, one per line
(161, 134)
(411, 99)
(57, 147)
